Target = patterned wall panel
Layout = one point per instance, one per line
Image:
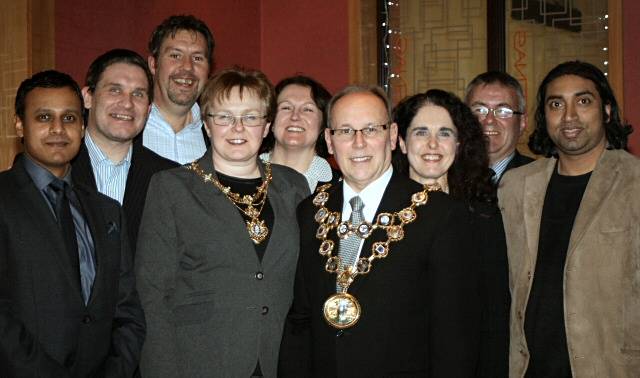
(440, 44)
(13, 69)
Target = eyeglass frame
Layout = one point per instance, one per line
(235, 119)
(493, 111)
(353, 132)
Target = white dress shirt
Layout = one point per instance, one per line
(370, 196)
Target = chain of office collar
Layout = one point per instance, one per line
(252, 203)
(392, 223)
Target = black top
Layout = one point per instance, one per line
(249, 186)
(544, 321)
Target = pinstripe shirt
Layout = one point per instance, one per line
(501, 166)
(184, 146)
(111, 178)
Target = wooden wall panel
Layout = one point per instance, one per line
(26, 46)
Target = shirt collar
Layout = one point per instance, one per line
(371, 195)
(41, 176)
(97, 156)
(501, 166)
(196, 121)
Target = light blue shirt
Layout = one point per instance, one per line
(184, 146)
(501, 166)
(111, 177)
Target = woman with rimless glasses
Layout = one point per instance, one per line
(218, 244)
(442, 143)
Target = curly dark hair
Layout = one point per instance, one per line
(319, 94)
(616, 131)
(469, 177)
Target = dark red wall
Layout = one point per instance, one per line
(85, 29)
(279, 37)
(309, 36)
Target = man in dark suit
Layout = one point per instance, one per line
(397, 293)
(68, 305)
(118, 95)
(497, 99)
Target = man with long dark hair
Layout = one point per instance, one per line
(573, 235)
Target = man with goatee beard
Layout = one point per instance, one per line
(181, 56)
(572, 222)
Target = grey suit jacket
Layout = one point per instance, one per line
(601, 272)
(213, 309)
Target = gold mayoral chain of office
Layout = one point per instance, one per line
(342, 310)
(250, 205)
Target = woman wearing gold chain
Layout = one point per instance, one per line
(218, 244)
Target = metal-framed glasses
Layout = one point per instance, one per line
(226, 119)
(348, 133)
(499, 112)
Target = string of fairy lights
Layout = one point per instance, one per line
(386, 32)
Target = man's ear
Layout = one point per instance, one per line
(327, 138)
(87, 97)
(152, 64)
(607, 111)
(19, 127)
(393, 135)
(403, 146)
(523, 122)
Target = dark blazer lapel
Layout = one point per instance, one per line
(36, 208)
(396, 197)
(604, 177)
(334, 204)
(99, 230)
(82, 171)
(135, 178)
(212, 198)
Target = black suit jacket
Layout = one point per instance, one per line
(420, 310)
(46, 330)
(144, 164)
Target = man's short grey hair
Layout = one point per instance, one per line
(359, 88)
(497, 77)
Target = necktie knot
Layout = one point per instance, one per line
(357, 205)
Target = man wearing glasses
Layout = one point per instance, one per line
(496, 98)
(385, 285)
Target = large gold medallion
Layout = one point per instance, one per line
(257, 229)
(341, 310)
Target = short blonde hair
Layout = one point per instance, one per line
(220, 86)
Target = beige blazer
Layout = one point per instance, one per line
(602, 269)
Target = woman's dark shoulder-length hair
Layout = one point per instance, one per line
(616, 131)
(319, 94)
(469, 177)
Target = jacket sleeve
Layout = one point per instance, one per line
(155, 274)
(129, 325)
